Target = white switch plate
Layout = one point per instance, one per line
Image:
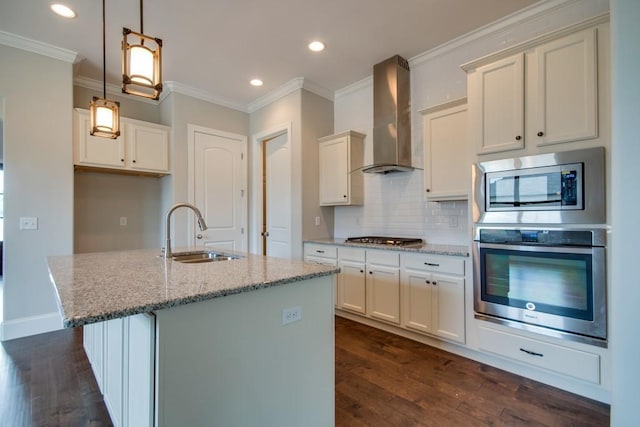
(317, 221)
(28, 223)
(123, 221)
(292, 314)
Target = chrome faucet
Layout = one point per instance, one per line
(201, 224)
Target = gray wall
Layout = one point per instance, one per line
(37, 94)
(625, 15)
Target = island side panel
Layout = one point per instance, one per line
(230, 362)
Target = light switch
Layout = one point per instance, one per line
(28, 223)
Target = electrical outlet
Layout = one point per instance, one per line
(28, 223)
(123, 221)
(317, 221)
(292, 314)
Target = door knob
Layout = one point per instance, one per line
(540, 133)
(199, 237)
(265, 234)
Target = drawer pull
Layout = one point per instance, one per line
(532, 353)
(432, 264)
(319, 251)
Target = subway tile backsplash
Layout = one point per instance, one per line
(395, 206)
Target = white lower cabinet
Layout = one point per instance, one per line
(352, 280)
(433, 295)
(324, 255)
(566, 361)
(122, 358)
(383, 285)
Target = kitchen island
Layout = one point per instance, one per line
(243, 342)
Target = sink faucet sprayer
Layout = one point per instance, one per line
(201, 224)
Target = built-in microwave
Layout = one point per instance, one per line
(564, 187)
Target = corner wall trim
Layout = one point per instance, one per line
(32, 325)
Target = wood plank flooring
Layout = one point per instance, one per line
(386, 380)
(381, 380)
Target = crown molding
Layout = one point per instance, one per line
(193, 92)
(365, 83)
(287, 88)
(114, 90)
(23, 43)
(534, 12)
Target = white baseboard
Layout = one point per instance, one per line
(33, 325)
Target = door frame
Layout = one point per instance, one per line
(256, 181)
(191, 185)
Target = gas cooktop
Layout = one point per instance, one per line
(386, 241)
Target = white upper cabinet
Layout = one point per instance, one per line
(340, 156)
(546, 94)
(499, 114)
(447, 164)
(566, 90)
(141, 147)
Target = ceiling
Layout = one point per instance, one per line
(216, 46)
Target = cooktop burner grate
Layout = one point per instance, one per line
(387, 241)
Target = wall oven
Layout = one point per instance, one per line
(550, 281)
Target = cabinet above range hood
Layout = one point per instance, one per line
(391, 117)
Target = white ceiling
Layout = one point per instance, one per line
(217, 46)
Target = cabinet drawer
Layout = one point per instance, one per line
(434, 263)
(351, 254)
(325, 251)
(567, 361)
(392, 259)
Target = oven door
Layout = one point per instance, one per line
(562, 288)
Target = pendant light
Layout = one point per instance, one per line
(104, 114)
(141, 62)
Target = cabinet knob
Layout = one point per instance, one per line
(434, 283)
(518, 138)
(361, 271)
(428, 190)
(428, 282)
(122, 160)
(134, 161)
(345, 196)
(540, 133)
(371, 272)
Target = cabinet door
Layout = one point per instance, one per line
(417, 300)
(95, 150)
(383, 291)
(148, 147)
(448, 307)
(140, 381)
(334, 172)
(114, 369)
(499, 107)
(566, 90)
(447, 162)
(352, 287)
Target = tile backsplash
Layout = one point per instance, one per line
(395, 206)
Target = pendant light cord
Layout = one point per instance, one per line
(141, 20)
(104, 54)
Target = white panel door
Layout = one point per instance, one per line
(277, 196)
(567, 89)
(219, 180)
(501, 93)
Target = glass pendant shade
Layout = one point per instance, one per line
(104, 118)
(141, 64)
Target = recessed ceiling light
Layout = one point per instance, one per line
(256, 82)
(316, 46)
(62, 10)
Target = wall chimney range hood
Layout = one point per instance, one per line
(391, 117)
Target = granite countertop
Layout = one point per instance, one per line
(449, 250)
(95, 287)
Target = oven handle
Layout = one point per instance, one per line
(541, 248)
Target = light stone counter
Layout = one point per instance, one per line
(433, 249)
(95, 287)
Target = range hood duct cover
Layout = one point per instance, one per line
(391, 117)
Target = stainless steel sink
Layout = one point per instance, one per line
(202, 256)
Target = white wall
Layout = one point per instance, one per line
(38, 155)
(625, 15)
(436, 77)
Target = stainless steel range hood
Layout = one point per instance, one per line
(391, 117)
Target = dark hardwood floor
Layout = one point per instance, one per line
(386, 380)
(381, 380)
